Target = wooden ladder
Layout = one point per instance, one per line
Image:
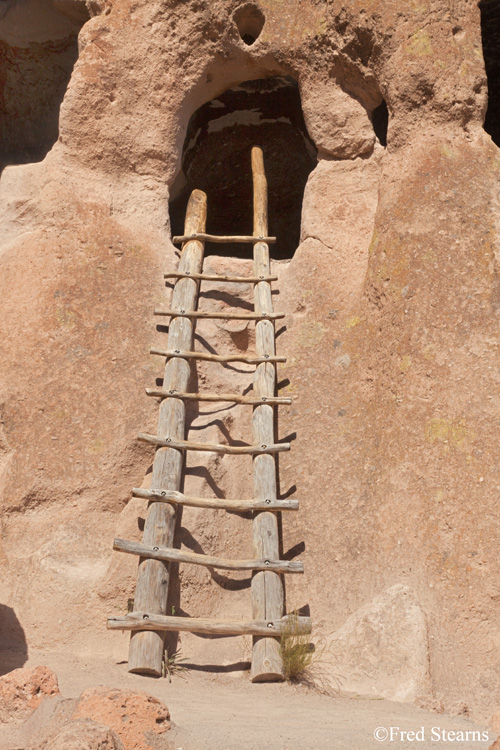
(148, 620)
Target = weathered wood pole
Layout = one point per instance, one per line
(146, 647)
(267, 588)
(135, 621)
(193, 558)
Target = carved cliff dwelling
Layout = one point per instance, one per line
(128, 127)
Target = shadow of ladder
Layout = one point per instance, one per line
(148, 622)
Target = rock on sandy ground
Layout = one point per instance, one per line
(213, 711)
(22, 691)
(382, 648)
(133, 716)
(100, 718)
(84, 734)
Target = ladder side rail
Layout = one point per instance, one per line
(147, 647)
(267, 587)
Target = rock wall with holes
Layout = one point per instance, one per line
(391, 333)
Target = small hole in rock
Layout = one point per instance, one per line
(250, 21)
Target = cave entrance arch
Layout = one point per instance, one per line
(216, 159)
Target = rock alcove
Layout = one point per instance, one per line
(216, 159)
(490, 33)
(38, 50)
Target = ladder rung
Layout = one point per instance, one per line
(145, 621)
(232, 397)
(175, 555)
(186, 445)
(202, 237)
(215, 357)
(257, 360)
(178, 498)
(216, 277)
(219, 315)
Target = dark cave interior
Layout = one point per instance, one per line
(216, 159)
(490, 33)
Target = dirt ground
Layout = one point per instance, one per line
(222, 710)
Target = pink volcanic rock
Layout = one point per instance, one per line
(136, 717)
(22, 690)
(83, 734)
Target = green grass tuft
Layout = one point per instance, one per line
(302, 659)
(173, 666)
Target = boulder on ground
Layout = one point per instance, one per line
(134, 716)
(381, 650)
(83, 734)
(22, 690)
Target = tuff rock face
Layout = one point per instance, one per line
(392, 304)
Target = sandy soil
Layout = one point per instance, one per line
(222, 710)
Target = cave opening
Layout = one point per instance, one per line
(38, 50)
(490, 33)
(216, 158)
(250, 21)
(380, 122)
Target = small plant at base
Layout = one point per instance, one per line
(300, 656)
(172, 665)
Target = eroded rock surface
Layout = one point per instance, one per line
(82, 735)
(133, 716)
(392, 304)
(22, 691)
(99, 719)
(382, 649)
